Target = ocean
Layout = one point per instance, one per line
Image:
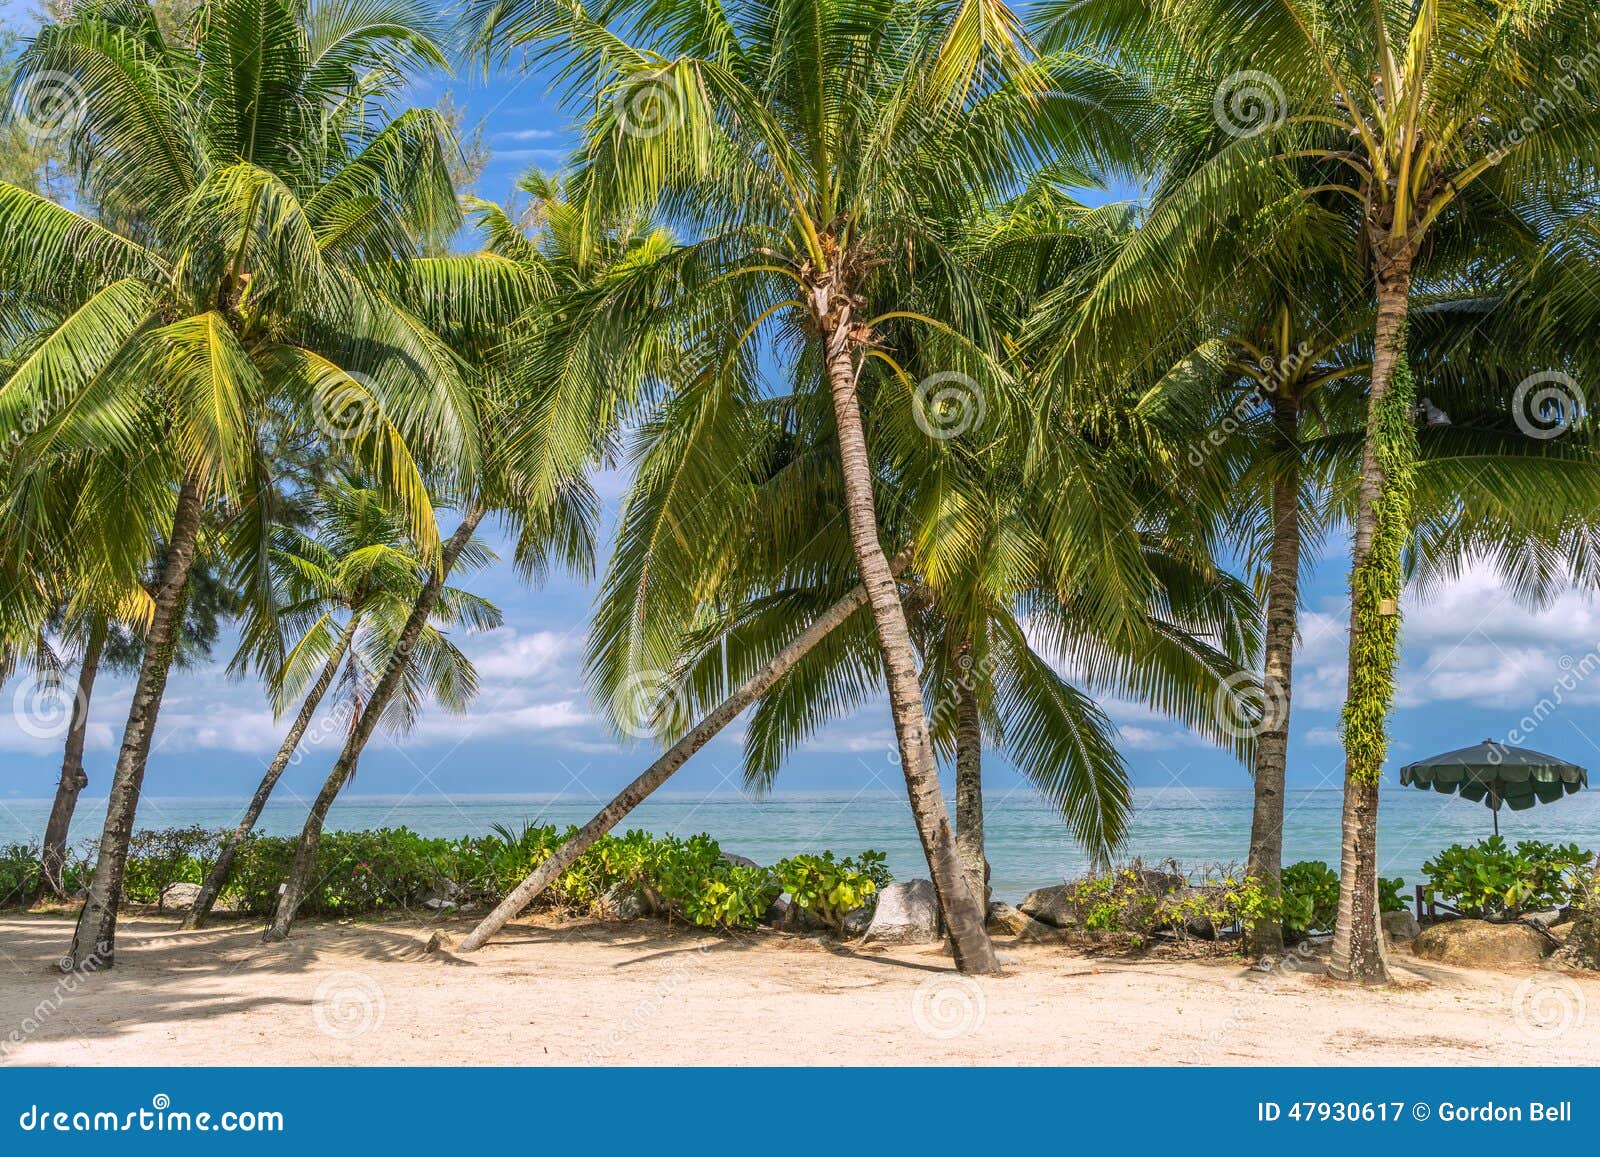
(1027, 844)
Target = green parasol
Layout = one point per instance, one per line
(1496, 773)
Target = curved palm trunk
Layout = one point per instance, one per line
(962, 909)
(94, 941)
(305, 855)
(969, 780)
(200, 910)
(1359, 951)
(53, 855)
(1272, 744)
(662, 769)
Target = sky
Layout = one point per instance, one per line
(1474, 664)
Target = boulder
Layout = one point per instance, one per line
(1004, 920)
(858, 920)
(1052, 906)
(1401, 925)
(739, 861)
(1480, 944)
(1544, 919)
(180, 897)
(907, 913)
(628, 902)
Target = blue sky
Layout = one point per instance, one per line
(1473, 666)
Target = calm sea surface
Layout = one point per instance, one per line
(1028, 846)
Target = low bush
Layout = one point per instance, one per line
(832, 888)
(395, 868)
(1137, 902)
(1491, 879)
(1310, 898)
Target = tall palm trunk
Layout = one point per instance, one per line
(53, 856)
(305, 854)
(94, 941)
(1272, 743)
(963, 910)
(1359, 951)
(969, 778)
(662, 769)
(200, 910)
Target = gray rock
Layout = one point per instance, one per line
(439, 905)
(1544, 919)
(908, 913)
(627, 902)
(739, 861)
(1051, 906)
(1401, 925)
(1004, 920)
(801, 920)
(858, 920)
(180, 897)
(1480, 944)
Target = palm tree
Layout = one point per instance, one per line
(817, 172)
(1422, 115)
(259, 191)
(360, 564)
(493, 307)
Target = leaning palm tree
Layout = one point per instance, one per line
(259, 190)
(360, 564)
(1424, 117)
(816, 151)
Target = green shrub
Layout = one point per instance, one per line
(160, 858)
(1490, 879)
(1138, 902)
(19, 874)
(356, 872)
(831, 888)
(1310, 897)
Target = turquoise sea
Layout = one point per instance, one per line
(1028, 846)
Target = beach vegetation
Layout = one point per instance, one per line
(1494, 880)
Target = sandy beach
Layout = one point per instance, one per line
(588, 992)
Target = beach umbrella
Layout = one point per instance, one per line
(1496, 774)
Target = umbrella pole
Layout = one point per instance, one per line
(1494, 809)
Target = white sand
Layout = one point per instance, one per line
(587, 992)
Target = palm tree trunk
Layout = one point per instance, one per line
(94, 941)
(1359, 952)
(969, 778)
(963, 910)
(200, 910)
(518, 899)
(53, 855)
(1272, 743)
(305, 855)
